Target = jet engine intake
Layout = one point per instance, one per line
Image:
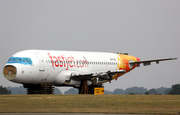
(64, 77)
(105, 76)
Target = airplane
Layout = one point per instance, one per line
(40, 70)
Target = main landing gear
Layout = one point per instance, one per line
(39, 89)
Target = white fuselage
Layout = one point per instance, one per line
(55, 67)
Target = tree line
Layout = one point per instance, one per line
(174, 90)
(4, 90)
(20, 90)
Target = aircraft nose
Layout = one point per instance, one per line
(138, 59)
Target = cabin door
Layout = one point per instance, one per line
(41, 62)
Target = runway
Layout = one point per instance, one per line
(64, 114)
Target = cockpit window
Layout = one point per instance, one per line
(20, 60)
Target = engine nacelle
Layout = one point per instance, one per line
(63, 77)
(105, 76)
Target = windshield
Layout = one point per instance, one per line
(20, 60)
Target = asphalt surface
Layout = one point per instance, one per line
(63, 114)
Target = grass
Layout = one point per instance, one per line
(124, 104)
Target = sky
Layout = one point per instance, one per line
(147, 29)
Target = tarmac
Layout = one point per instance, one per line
(64, 114)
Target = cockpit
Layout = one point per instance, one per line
(10, 71)
(20, 60)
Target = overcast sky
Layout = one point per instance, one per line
(145, 29)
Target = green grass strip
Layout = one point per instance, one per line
(114, 104)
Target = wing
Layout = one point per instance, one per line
(107, 75)
(148, 62)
